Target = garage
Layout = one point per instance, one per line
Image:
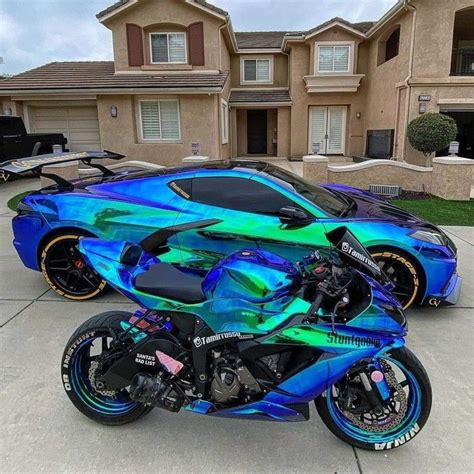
(79, 124)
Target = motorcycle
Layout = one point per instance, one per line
(258, 337)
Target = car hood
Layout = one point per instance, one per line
(371, 206)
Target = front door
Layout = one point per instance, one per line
(257, 132)
(327, 130)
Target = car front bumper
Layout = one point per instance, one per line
(450, 294)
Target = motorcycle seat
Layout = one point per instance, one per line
(170, 282)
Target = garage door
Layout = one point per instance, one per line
(80, 125)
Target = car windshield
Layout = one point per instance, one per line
(331, 203)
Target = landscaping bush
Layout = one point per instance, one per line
(430, 132)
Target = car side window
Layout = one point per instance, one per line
(239, 194)
(183, 187)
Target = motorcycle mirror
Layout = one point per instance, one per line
(354, 253)
(293, 217)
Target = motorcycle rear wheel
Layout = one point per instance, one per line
(419, 400)
(106, 408)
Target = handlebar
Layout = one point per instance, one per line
(313, 309)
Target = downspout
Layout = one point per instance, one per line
(406, 82)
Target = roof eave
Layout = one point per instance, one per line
(113, 90)
(397, 8)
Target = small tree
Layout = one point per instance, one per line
(430, 132)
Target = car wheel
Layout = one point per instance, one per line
(66, 271)
(403, 273)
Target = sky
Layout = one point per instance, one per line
(36, 32)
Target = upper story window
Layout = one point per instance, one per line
(333, 58)
(168, 48)
(257, 70)
(159, 120)
(392, 45)
(388, 45)
(462, 61)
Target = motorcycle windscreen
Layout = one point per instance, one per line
(354, 254)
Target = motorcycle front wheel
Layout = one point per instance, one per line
(404, 414)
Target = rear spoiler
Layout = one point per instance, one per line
(35, 164)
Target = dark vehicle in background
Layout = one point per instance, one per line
(15, 142)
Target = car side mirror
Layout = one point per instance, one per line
(294, 217)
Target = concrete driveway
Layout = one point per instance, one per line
(40, 430)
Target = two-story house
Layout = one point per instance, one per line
(182, 82)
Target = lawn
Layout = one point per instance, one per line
(439, 211)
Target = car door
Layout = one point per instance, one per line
(249, 213)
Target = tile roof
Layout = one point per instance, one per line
(101, 75)
(259, 96)
(260, 39)
(363, 26)
(120, 3)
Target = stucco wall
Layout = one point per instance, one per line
(121, 134)
(283, 125)
(151, 12)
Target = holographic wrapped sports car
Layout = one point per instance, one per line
(260, 205)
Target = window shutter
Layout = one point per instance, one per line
(134, 45)
(196, 43)
(169, 120)
(151, 120)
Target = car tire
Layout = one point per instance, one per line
(66, 271)
(404, 273)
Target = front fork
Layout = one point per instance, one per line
(382, 391)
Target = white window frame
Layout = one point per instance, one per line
(167, 33)
(256, 58)
(159, 140)
(225, 122)
(323, 44)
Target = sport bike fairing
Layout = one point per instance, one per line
(271, 322)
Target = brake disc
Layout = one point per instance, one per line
(391, 419)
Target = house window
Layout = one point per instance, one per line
(257, 70)
(334, 58)
(160, 120)
(168, 48)
(392, 45)
(225, 122)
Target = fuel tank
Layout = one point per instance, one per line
(257, 276)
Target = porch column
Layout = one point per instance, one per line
(315, 168)
(283, 132)
(452, 178)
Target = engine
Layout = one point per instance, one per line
(232, 382)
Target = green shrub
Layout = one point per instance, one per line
(430, 132)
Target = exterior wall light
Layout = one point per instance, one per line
(114, 111)
(8, 111)
(358, 115)
(453, 149)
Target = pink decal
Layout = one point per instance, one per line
(171, 365)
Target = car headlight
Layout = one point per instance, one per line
(429, 236)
